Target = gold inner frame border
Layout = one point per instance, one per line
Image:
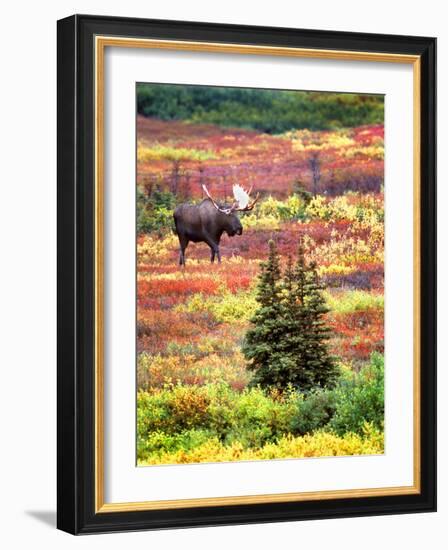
(100, 44)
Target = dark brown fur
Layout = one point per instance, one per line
(204, 223)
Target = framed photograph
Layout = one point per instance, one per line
(246, 274)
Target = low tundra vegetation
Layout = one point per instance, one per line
(197, 400)
(182, 422)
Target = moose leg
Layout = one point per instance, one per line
(183, 241)
(215, 251)
(214, 246)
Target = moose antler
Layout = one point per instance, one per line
(223, 210)
(242, 200)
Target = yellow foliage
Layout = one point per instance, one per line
(365, 212)
(319, 444)
(305, 140)
(345, 251)
(266, 223)
(166, 152)
(375, 152)
(210, 366)
(153, 249)
(335, 269)
(226, 307)
(354, 300)
(318, 208)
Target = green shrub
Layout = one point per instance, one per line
(155, 212)
(173, 410)
(251, 417)
(181, 418)
(292, 208)
(159, 443)
(313, 412)
(359, 399)
(259, 418)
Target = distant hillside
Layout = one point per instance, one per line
(270, 111)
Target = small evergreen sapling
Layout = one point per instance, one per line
(317, 361)
(286, 345)
(262, 345)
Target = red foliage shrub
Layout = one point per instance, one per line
(164, 287)
(247, 156)
(357, 334)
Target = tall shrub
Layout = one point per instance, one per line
(359, 399)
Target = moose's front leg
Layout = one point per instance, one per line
(214, 248)
(214, 251)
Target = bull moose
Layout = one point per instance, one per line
(207, 221)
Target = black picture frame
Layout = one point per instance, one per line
(76, 286)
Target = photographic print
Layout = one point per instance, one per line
(260, 274)
(223, 210)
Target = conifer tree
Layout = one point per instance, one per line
(293, 339)
(261, 344)
(287, 345)
(317, 361)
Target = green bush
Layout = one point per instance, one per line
(181, 418)
(313, 412)
(293, 208)
(259, 419)
(174, 409)
(155, 212)
(359, 399)
(251, 417)
(158, 443)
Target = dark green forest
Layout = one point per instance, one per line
(270, 111)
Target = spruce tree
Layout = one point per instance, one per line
(317, 359)
(287, 345)
(293, 339)
(261, 343)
